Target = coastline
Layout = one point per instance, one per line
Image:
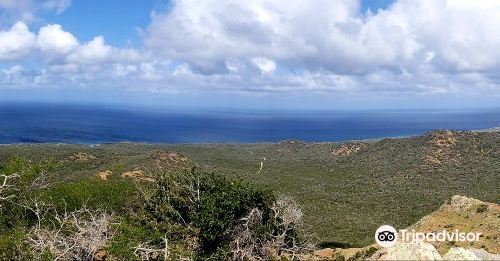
(369, 140)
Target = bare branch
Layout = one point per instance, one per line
(145, 252)
(7, 187)
(248, 245)
(76, 235)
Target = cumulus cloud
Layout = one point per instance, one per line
(60, 58)
(317, 34)
(53, 39)
(16, 42)
(332, 34)
(97, 51)
(60, 46)
(406, 40)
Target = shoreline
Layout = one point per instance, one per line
(368, 140)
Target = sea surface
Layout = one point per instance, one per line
(49, 123)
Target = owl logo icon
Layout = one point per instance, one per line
(386, 236)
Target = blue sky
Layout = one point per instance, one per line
(374, 5)
(317, 54)
(119, 21)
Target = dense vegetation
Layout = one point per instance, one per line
(179, 215)
(345, 190)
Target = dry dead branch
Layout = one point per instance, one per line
(76, 235)
(40, 182)
(246, 245)
(145, 252)
(7, 186)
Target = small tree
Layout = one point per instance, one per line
(226, 218)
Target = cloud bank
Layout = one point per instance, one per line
(416, 47)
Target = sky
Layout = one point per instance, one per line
(263, 54)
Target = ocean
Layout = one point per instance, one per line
(49, 123)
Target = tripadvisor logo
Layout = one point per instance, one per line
(387, 236)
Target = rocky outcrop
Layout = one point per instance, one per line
(170, 161)
(453, 148)
(407, 251)
(104, 175)
(441, 149)
(138, 175)
(349, 148)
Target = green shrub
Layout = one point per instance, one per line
(26, 169)
(13, 246)
(210, 208)
(222, 205)
(197, 213)
(25, 179)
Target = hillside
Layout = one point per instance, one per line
(459, 212)
(346, 190)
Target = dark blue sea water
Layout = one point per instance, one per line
(42, 123)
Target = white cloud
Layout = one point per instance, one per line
(451, 36)
(17, 76)
(461, 37)
(16, 42)
(59, 46)
(98, 52)
(121, 70)
(53, 39)
(266, 66)
(150, 72)
(93, 52)
(317, 34)
(420, 47)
